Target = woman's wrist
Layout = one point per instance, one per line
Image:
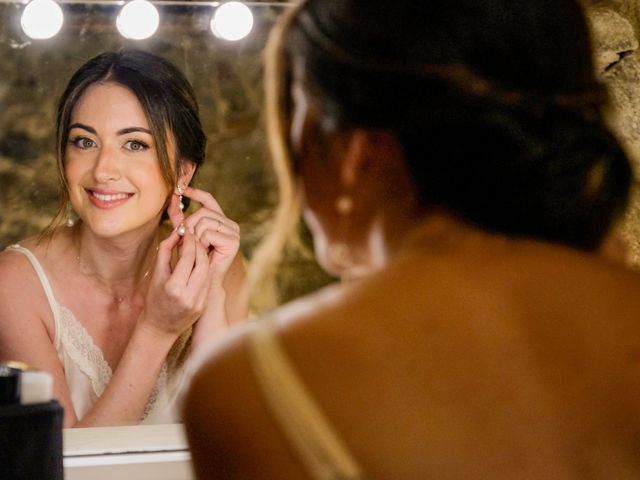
(147, 329)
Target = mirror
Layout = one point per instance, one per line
(226, 75)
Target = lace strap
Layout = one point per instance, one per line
(308, 430)
(46, 286)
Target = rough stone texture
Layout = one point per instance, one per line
(227, 78)
(615, 28)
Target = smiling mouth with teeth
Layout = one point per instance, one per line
(113, 197)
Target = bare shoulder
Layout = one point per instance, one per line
(22, 297)
(16, 271)
(220, 407)
(225, 414)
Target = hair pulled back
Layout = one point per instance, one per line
(494, 102)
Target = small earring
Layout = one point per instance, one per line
(180, 189)
(344, 205)
(71, 217)
(181, 228)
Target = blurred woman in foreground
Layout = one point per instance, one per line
(453, 162)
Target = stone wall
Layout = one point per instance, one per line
(615, 30)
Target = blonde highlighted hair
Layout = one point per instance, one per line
(268, 255)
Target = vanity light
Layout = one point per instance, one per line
(138, 20)
(41, 19)
(232, 21)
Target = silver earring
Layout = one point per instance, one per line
(180, 189)
(181, 228)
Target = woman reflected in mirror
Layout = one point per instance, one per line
(126, 282)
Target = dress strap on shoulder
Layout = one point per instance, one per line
(301, 419)
(46, 286)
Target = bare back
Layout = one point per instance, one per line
(492, 359)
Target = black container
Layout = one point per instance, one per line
(9, 385)
(31, 442)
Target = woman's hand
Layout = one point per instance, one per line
(219, 234)
(220, 237)
(178, 293)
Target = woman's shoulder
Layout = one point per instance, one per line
(18, 262)
(548, 265)
(14, 257)
(16, 270)
(21, 290)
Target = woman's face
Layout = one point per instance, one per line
(112, 168)
(318, 166)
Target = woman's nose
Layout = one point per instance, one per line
(107, 167)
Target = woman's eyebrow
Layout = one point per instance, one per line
(84, 127)
(124, 131)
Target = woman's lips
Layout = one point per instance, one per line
(107, 199)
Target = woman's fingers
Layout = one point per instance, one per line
(200, 276)
(190, 273)
(163, 258)
(186, 259)
(210, 209)
(203, 198)
(215, 226)
(209, 224)
(219, 235)
(180, 285)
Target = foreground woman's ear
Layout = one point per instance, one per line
(366, 150)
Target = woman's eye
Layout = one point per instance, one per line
(83, 142)
(135, 145)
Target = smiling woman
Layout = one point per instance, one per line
(101, 148)
(113, 300)
(226, 77)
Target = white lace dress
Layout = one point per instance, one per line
(85, 368)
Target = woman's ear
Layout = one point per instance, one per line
(367, 150)
(187, 170)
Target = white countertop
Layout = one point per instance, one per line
(141, 452)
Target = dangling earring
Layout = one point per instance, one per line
(339, 253)
(180, 189)
(72, 216)
(181, 228)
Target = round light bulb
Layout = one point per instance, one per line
(138, 20)
(232, 21)
(41, 19)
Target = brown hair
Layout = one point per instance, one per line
(513, 77)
